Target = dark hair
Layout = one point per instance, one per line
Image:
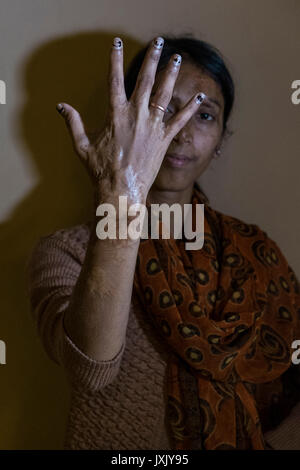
(196, 51)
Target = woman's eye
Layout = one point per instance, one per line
(206, 116)
(203, 116)
(169, 110)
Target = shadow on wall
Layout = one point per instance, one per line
(34, 392)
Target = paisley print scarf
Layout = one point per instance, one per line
(228, 314)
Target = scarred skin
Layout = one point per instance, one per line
(135, 135)
(127, 157)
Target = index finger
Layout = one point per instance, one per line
(117, 92)
(179, 120)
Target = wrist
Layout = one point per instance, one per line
(118, 200)
(109, 234)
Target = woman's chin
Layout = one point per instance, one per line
(169, 180)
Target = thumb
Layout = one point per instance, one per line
(75, 127)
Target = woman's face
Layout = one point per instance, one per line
(201, 135)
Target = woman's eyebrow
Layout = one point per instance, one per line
(208, 101)
(212, 100)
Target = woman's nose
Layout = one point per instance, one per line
(183, 136)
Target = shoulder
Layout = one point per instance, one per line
(76, 234)
(251, 239)
(244, 237)
(65, 243)
(239, 226)
(256, 243)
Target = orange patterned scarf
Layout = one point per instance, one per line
(228, 314)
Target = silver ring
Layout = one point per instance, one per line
(158, 107)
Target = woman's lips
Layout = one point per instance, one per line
(177, 160)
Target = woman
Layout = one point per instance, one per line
(166, 348)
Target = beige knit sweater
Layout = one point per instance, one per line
(117, 404)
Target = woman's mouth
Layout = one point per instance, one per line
(177, 160)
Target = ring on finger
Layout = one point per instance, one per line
(154, 105)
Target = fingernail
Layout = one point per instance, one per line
(117, 43)
(60, 108)
(158, 43)
(200, 97)
(177, 60)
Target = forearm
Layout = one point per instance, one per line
(97, 317)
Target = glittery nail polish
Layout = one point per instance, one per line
(177, 60)
(158, 43)
(200, 98)
(117, 43)
(60, 108)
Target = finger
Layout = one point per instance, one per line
(116, 75)
(146, 76)
(163, 94)
(75, 127)
(177, 122)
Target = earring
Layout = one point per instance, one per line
(218, 152)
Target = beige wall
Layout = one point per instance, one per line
(54, 50)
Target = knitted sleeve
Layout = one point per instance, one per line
(52, 272)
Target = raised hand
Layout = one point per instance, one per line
(125, 156)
